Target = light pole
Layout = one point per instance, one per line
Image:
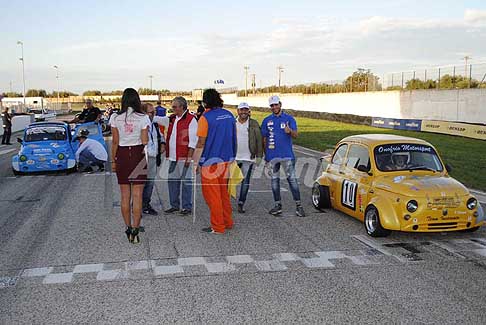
(58, 88)
(253, 82)
(246, 79)
(151, 77)
(23, 65)
(280, 70)
(466, 58)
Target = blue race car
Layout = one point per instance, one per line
(51, 146)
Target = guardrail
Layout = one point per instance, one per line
(474, 131)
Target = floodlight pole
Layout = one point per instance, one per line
(23, 66)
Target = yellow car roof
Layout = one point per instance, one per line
(375, 139)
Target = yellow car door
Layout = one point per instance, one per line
(356, 181)
(335, 171)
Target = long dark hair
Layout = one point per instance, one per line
(212, 98)
(130, 98)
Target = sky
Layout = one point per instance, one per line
(184, 45)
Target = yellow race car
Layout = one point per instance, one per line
(395, 183)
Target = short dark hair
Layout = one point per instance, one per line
(159, 102)
(212, 98)
(130, 98)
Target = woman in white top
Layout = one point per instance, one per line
(130, 135)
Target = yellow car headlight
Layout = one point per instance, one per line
(472, 203)
(60, 156)
(412, 206)
(23, 158)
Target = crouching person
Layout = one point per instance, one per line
(90, 153)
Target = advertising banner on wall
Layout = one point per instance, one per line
(475, 131)
(397, 124)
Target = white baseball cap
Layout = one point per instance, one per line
(273, 100)
(243, 105)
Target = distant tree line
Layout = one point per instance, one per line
(446, 82)
(360, 80)
(40, 93)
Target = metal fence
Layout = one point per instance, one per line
(447, 77)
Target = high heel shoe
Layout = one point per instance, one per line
(135, 239)
(128, 232)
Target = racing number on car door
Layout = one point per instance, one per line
(348, 194)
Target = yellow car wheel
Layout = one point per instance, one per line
(372, 223)
(320, 197)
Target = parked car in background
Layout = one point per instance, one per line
(43, 114)
(394, 183)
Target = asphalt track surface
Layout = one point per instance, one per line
(65, 259)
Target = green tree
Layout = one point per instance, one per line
(36, 93)
(12, 94)
(92, 93)
(414, 84)
(362, 80)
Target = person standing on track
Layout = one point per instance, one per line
(215, 150)
(160, 110)
(130, 135)
(7, 126)
(278, 129)
(250, 149)
(181, 141)
(155, 149)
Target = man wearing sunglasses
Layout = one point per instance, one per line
(180, 144)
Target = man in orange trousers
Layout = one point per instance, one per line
(215, 150)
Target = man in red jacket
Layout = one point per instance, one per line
(180, 144)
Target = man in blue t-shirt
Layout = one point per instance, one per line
(160, 110)
(278, 129)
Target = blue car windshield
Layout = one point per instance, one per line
(407, 156)
(45, 133)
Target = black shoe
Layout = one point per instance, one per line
(185, 212)
(299, 211)
(101, 168)
(151, 211)
(241, 209)
(276, 210)
(171, 210)
(86, 170)
(134, 238)
(128, 232)
(8, 144)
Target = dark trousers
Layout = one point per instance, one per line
(7, 132)
(87, 159)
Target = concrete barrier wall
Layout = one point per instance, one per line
(19, 123)
(465, 105)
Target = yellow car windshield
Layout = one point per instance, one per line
(406, 156)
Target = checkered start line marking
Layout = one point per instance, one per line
(188, 266)
(379, 252)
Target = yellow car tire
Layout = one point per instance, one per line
(320, 197)
(372, 223)
(473, 229)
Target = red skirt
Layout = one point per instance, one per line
(131, 165)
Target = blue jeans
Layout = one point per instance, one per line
(149, 184)
(289, 169)
(178, 173)
(246, 169)
(86, 158)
